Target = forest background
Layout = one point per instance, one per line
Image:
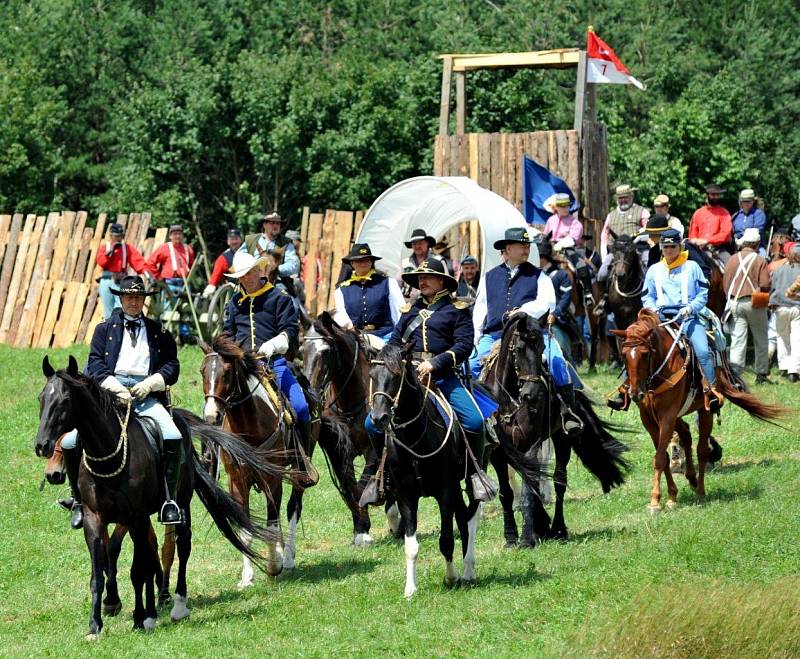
(216, 110)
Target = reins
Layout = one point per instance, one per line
(122, 444)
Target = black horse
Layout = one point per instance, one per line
(121, 482)
(425, 456)
(529, 414)
(625, 281)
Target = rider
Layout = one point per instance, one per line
(224, 262)
(263, 318)
(558, 319)
(441, 332)
(676, 284)
(517, 285)
(711, 225)
(115, 260)
(270, 239)
(421, 246)
(469, 278)
(369, 300)
(133, 356)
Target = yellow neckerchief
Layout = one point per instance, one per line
(255, 294)
(366, 277)
(678, 262)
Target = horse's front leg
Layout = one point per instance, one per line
(167, 560)
(240, 491)
(294, 511)
(446, 537)
(705, 425)
(112, 604)
(408, 511)
(94, 530)
(500, 464)
(273, 493)
(656, 430)
(563, 449)
(143, 572)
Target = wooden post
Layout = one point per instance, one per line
(591, 102)
(461, 102)
(580, 92)
(444, 104)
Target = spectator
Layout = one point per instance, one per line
(115, 260)
(710, 227)
(562, 223)
(172, 261)
(626, 219)
(468, 278)
(746, 274)
(271, 238)
(224, 262)
(749, 216)
(661, 207)
(787, 315)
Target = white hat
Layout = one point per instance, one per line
(747, 195)
(750, 235)
(244, 263)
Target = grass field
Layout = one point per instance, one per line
(718, 579)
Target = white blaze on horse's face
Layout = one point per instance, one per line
(211, 410)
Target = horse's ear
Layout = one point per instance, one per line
(620, 333)
(548, 236)
(72, 367)
(47, 369)
(542, 320)
(327, 321)
(613, 234)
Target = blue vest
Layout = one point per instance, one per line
(504, 293)
(367, 303)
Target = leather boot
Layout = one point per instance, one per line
(309, 476)
(713, 399)
(72, 462)
(570, 422)
(171, 463)
(483, 488)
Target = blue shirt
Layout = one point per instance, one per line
(563, 287)
(367, 303)
(681, 286)
(756, 218)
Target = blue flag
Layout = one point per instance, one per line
(538, 184)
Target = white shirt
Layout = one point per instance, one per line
(396, 301)
(545, 302)
(134, 360)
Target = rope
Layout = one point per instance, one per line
(123, 444)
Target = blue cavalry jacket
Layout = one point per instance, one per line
(505, 293)
(563, 287)
(367, 303)
(447, 333)
(107, 342)
(271, 311)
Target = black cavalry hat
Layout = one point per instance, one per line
(131, 285)
(419, 234)
(360, 251)
(657, 223)
(514, 235)
(116, 229)
(671, 237)
(430, 267)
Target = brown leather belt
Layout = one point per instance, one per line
(368, 328)
(423, 356)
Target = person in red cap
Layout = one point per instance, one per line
(224, 262)
(115, 256)
(711, 228)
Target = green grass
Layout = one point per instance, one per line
(622, 580)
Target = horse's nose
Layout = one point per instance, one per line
(381, 421)
(55, 477)
(638, 395)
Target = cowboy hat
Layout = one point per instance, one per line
(661, 200)
(624, 190)
(360, 251)
(419, 234)
(430, 267)
(131, 285)
(244, 263)
(515, 235)
(271, 217)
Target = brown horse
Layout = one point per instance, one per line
(663, 385)
(236, 395)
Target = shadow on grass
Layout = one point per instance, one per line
(742, 465)
(584, 537)
(524, 577)
(716, 491)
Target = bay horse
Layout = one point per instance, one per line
(529, 415)
(662, 382)
(236, 397)
(426, 456)
(121, 481)
(336, 362)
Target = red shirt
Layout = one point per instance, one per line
(162, 265)
(123, 256)
(711, 223)
(221, 266)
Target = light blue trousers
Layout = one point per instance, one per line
(109, 300)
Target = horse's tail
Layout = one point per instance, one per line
(598, 450)
(748, 402)
(525, 464)
(339, 450)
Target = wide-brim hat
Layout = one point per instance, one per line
(175, 227)
(116, 229)
(624, 190)
(360, 251)
(514, 235)
(131, 285)
(671, 237)
(430, 267)
(419, 234)
(244, 263)
(657, 223)
(661, 200)
(271, 217)
(747, 195)
(750, 235)
(441, 246)
(713, 188)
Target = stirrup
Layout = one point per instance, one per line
(576, 425)
(484, 489)
(67, 503)
(170, 513)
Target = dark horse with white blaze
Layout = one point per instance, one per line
(529, 414)
(121, 481)
(426, 455)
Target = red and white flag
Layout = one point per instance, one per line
(603, 65)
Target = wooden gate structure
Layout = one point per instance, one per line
(494, 160)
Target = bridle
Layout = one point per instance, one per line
(637, 342)
(327, 383)
(227, 402)
(615, 277)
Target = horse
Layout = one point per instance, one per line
(528, 415)
(425, 456)
(625, 282)
(121, 481)
(237, 397)
(336, 362)
(663, 383)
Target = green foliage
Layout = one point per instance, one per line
(216, 110)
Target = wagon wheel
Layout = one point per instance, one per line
(216, 309)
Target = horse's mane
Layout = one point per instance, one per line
(639, 332)
(530, 326)
(392, 356)
(105, 399)
(228, 349)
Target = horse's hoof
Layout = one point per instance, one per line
(653, 510)
(149, 624)
(409, 593)
(244, 584)
(274, 569)
(112, 609)
(468, 583)
(363, 540)
(451, 583)
(559, 534)
(671, 505)
(93, 637)
(164, 599)
(179, 609)
(511, 544)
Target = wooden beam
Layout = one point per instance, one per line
(580, 92)
(591, 103)
(461, 103)
(444, 103)
(561, 58)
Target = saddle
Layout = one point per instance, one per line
(152, 433)
(489, 360)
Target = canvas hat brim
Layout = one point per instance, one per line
(260, 261)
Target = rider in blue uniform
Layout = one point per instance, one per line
(559, 318)
(263, 318)
(368, 300)
(440, 330)
(676, 287)
(518, 286)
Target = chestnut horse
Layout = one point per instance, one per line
(663, 385)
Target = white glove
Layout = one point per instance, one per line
(116, 387)
(208, 291)
(275, 346)
(686, 312)
(143, 389)
(564, 243)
